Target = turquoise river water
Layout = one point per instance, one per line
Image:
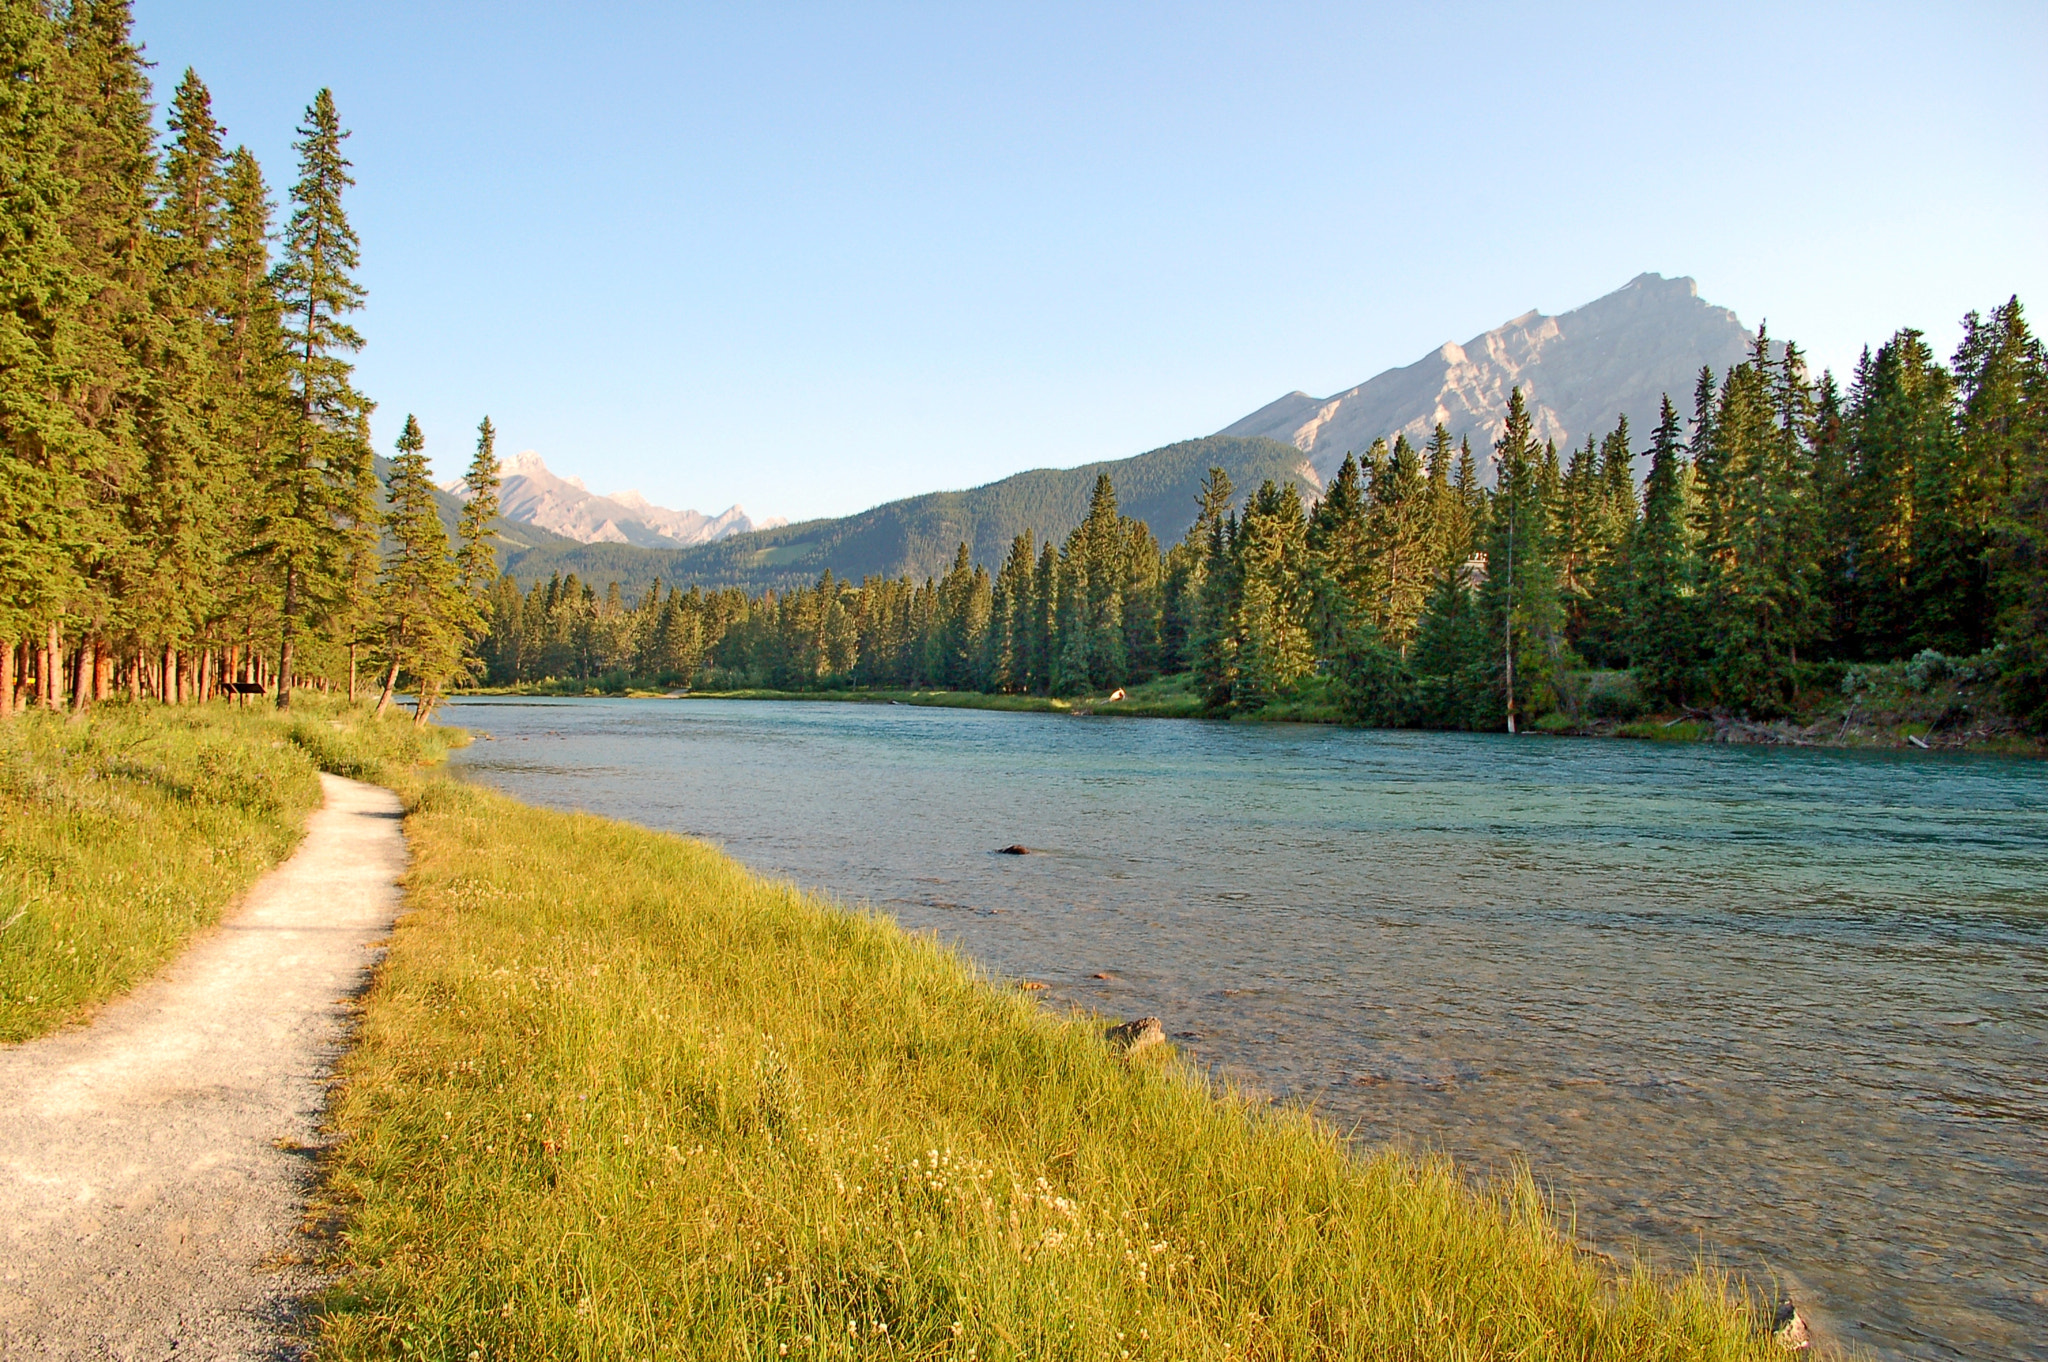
(1788, 1009)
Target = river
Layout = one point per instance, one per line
(1784, 1008)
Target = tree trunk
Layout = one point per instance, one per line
(169, 689)
(284, 638)
(351, 673)
(102, 670)
(82, 667)
(133, 666)
(7, 679)
(390, 684)
(53, 664)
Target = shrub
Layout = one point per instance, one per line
(1926, 668)
(1614, 695)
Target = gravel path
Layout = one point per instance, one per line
(154, 1165)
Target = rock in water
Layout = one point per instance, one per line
(1788, 1329)
(1132, 1036)
(1014, 849)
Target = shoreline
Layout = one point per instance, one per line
(604, 1065)
(1835, 731)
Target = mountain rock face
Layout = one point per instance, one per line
(532, 495)
(1577, 371)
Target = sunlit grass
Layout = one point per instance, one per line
(615, 1096)
(125, 832)
(1167, 697)
(1170, 697)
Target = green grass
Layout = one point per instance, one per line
(1170, 697)
(1311, 700)
(616, 1096)
(1664, 730)
(125, 832)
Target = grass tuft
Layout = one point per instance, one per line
(616, 1096)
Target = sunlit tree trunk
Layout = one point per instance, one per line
(82, 666)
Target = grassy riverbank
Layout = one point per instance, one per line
(616, 1096)
(1166, 697)
(1937, 704)
(1171, 697)
(125, 832)
(1929, 703)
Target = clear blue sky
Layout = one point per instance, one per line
(810, 258)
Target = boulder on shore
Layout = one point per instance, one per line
(1789, 1330)
(1141, 1033)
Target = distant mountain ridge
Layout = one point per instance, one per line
(918, 536)
(1618, 354)
(513, 537)
(533, 495)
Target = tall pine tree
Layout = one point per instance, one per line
(318, 521)
(424, 614)
(1518, 604)
(1663, 580)
(478, 560)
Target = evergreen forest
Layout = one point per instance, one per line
(1785, 529)
(189, 503)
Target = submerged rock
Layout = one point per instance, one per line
(1014, 849)
(1141, 1033)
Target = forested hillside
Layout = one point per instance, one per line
(917, 537)
(1785, 531)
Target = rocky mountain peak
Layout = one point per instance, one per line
(535, 495)
(1577, 371)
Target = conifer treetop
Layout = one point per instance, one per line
(321, 250)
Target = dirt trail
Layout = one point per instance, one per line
(154, 1165)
